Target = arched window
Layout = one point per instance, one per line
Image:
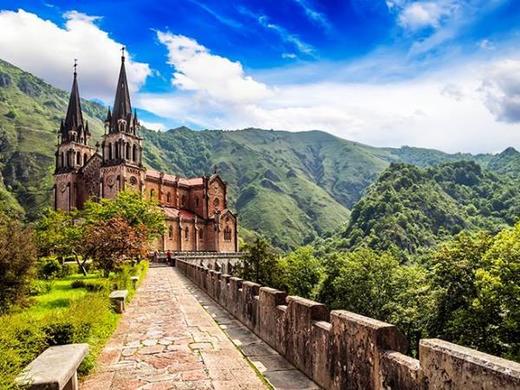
(183, 200)
(197, 202)
(170, 232)
(134, 153)
(187, 233)
(201, 234)
(85, 158)
(78, 158)
(62, 160)
(227, 234)
(216, 202)
(117, 153)
(110, 155)
(152, 193)
(168, 197)
(128, 151)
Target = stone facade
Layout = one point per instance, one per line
(344, 350)
(195, 209)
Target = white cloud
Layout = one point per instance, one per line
(313, 15)
(501, 87)
(48, 50)
(153, 125)
(418, 15)
(443, 110)
(216, 77)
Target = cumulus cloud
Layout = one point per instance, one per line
(153, 125)
(419, 15)
(48, 50)
(501, 88)
(218, 78)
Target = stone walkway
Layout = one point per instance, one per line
(167, 340)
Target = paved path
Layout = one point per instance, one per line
(167, 340)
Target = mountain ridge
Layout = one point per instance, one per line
(291, 186)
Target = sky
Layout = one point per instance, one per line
(441, 74)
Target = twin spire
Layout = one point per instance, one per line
(121, 119)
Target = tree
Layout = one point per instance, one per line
(260, 263)
(376, 285)
(302, 272)
(59, 233)
(454, 266)
(498, 286)
(131, 206)
(114, 242)
(17, 259)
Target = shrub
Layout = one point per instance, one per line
(21, 340)
(78, 284)
(17, 258)
(40, 287)
(68, 269)
(49, 268)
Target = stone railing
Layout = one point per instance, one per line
(225, 262)
(343, 350)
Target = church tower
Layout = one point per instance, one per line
(72, 154)
(122, 149)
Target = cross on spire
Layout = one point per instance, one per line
(123, 53)
(75, 66)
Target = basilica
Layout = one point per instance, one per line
(195, 209)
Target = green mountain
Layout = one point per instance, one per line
(410, 208)
(292, 187)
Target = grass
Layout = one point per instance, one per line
(62, 315)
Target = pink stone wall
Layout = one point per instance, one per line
(344, 350)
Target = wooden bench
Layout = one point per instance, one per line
(118, 298)
(55, 369)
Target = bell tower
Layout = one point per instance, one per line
(122, 148)
(72, 153)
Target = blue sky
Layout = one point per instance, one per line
(431, 73)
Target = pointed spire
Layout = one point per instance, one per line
(74, 117)
(109, 116)
(122, 106)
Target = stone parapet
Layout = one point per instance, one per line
(344, 350)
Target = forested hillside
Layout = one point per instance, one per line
(292, 187)
(410, 208)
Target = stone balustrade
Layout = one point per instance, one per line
(344, 350)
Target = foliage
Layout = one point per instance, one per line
(302, 272)
(138, 212)
(62, 315)
(17, 258)
(260, 263)
(49, 267)
(410, 208)
(113, 242)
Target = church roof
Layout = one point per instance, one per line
(122, 108)
(74, 117)
(194, 181)
(174, 213)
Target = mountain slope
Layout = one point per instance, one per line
(291, 187)
(410, 208)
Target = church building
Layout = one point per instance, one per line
(195, 209)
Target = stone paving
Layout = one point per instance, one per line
(167, 340)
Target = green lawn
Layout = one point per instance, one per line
(62, 315)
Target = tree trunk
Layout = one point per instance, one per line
(81, 265)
